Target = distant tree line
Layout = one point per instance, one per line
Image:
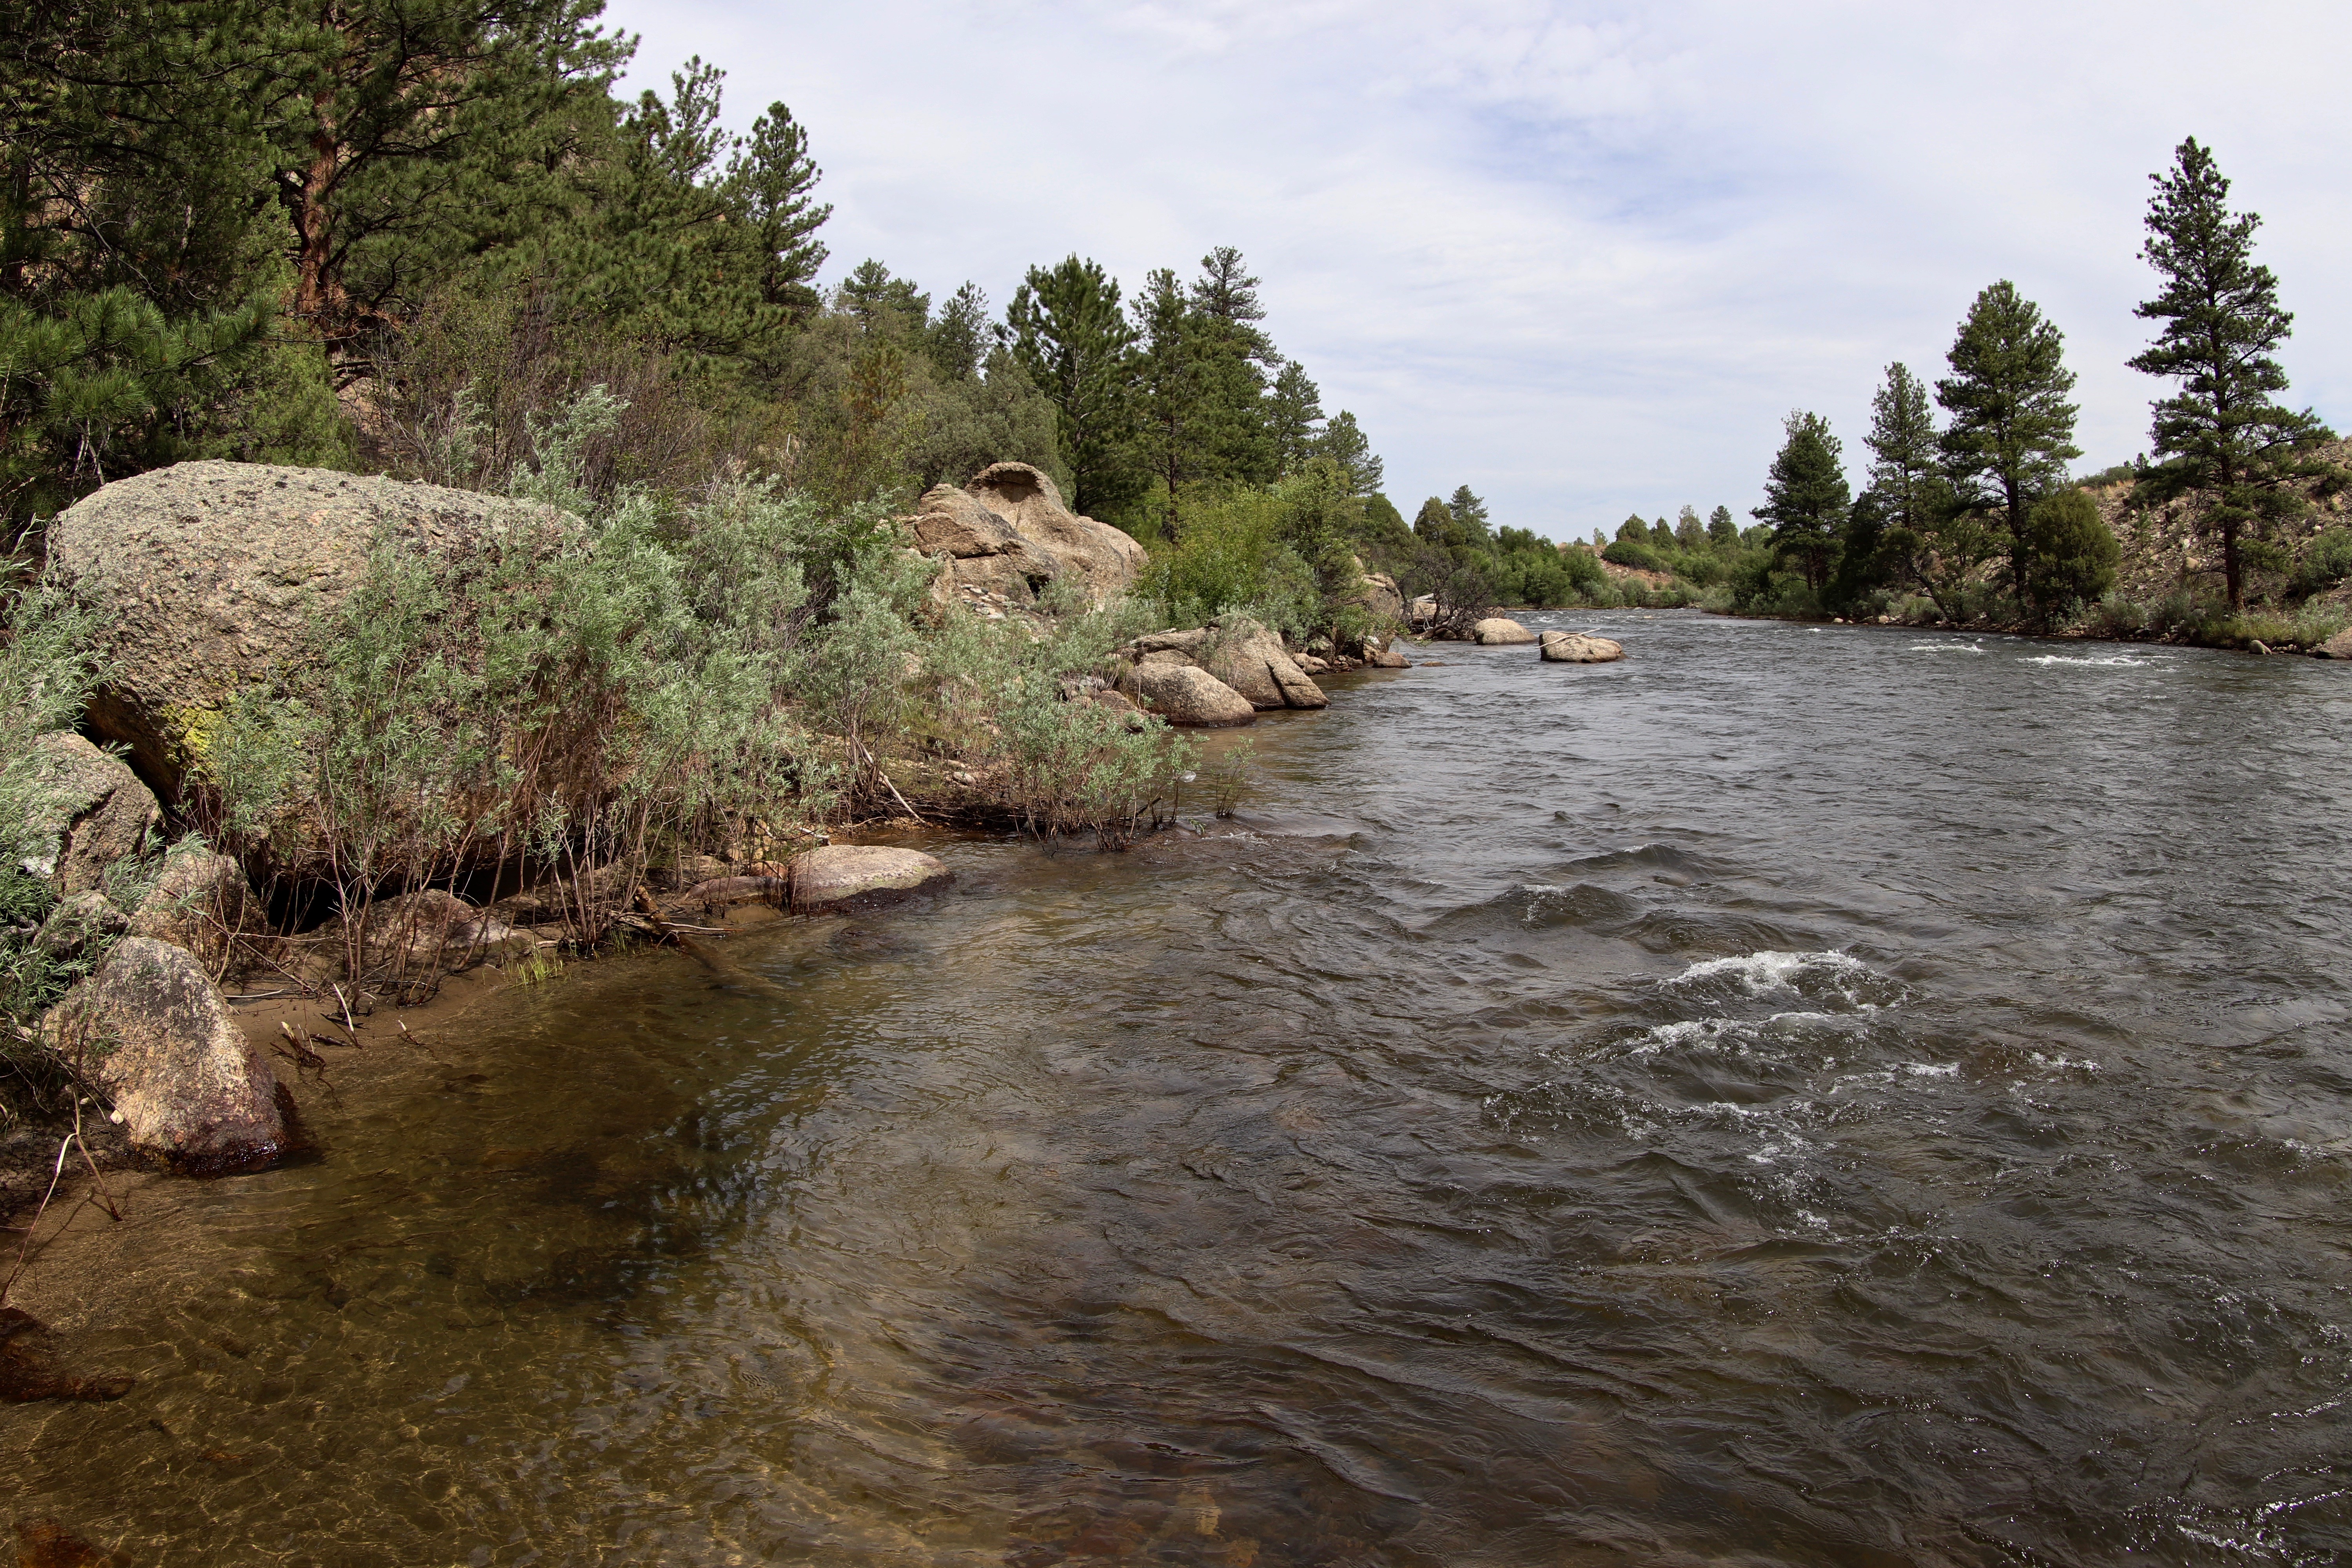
(1943, 502)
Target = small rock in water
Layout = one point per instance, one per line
(856, 876)
(45, 1543)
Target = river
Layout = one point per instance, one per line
(1804, 1095)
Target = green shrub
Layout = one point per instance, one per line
(2069, 554)
(2324, 561)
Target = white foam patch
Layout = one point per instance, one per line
(2090, 661)
(1946, 647)
(1773, 971)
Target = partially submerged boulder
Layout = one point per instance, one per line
(90, 812)
(1500, 631)
(860, 876)
(1250, 660)
(2337, 646)
(1186, 694)
(1577, 648)
(212, 573)
(1008, 536)
(153, 1031)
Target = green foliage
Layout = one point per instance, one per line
(45, 674)
(1073, 340)
(2070, 556)
(1806, 496)
(2223, 433)
(2013, 430)
(2324, 561)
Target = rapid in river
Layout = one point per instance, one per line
(1804, 1095)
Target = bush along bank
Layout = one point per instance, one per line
(498, 730)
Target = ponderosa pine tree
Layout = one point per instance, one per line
(1469, 514)
(1344, 442)
(1074, 340)
(1168, 403)
(1924, 538)
(2013, 429)
(769, 178)
(1722, 531)
(2223, 432)
(1294, 410)
(1806, 496)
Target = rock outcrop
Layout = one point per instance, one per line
(2337, 646)
(151, 1029)
(90, 812)
(860, 876)
(1008, 537)
(1576, 647)
(212, 573)
(1498, 631)
(1250, 660)
(1185, 694)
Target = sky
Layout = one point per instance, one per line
(1583, 259)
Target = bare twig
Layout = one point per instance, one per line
(107, 1198)
(353, 1028)
(31, 1230)
(901, 799)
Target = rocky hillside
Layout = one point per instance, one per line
(2163, 550)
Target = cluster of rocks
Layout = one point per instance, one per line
(1555, 647)
(1227, 672)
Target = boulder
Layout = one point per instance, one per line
(1575, 648)
(1250, 658)
(424, 935)
(212, 573)
(152, 1030)
(1186, 694)
(1008, 534)
(1498, 631)
(1385, 659)
(201, 901)
(89, 811)
(2337, 646)
(860, 876)
(1380, 594)
(78, 922)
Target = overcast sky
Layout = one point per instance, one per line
(1582, 258)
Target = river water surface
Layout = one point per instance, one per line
(1801, 1096)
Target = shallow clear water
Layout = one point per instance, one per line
(1801, 1096)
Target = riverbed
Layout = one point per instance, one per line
(1803, 1095)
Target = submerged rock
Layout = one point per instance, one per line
(1187, 694)
(45, 1543)
(90, 813)
(859, 876)
(152, 1030)
(1576, 647)
(1500, 631)
(428, 933)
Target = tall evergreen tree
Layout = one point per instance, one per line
(958, 339)
(1925, 536)
(1294, 412)
(1344, 442)
(1806, 496)
(2013, 429)
(1469, 514)
(2223, 432)
(1167, 390)
(769, 178)
(1071, 337)
(1722, 531)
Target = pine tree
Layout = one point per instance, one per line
(1806, 496)
(1294, 410)
(1072, 339)
(1690, 533)
(1168, 393)
(1722, 531)
(1926, 537)
(2224, 431)
(767, 190)
(1469, 514)
(2011, 427)
(1344, 442)
(958, 339)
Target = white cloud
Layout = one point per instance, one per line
(1581, 256)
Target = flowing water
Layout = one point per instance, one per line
(1799, 1096)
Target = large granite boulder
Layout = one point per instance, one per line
(212, 573)
(1576, 647)
(89, 811)
(151, 1029)
(1250, 660)
(861, 876)
(1500, 631)
(1008, 536)
(1184, 693)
